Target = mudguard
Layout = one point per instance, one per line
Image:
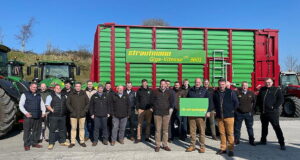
(23, 86)
(10, 89)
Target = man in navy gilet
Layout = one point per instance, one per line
(33, 108)
(56, 104)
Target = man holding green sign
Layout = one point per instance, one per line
(195, 107)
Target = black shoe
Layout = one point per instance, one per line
(282, 147)
(214, 138)
(156, 149)
(148, 140)
(221, 152)
(82, 144)
(230, 154)
(105, 142)
(137, 141)
(252, 143)
(182, 138)
(261, 143)
(236, 142)
(94, 144)
(71, 145)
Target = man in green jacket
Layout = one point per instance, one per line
(78, 104)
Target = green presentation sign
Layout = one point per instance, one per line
(193, 107)
(165, 56)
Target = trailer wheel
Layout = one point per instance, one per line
(292, 106)
(7, 113)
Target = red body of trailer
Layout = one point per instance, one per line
(266, 64)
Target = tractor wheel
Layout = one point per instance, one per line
(8, 111)
(291, 106)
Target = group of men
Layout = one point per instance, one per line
(102, 114)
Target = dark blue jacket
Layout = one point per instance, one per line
(200, 92)
(225, 103)
(33, 104)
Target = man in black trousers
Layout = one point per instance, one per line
(100, 109)
(33, 108)
(269, 100)
(56, 104)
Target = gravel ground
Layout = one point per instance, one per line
(11, 148)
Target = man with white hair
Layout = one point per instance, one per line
(121, 111)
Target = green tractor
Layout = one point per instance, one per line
(11, 88)
(54, 72)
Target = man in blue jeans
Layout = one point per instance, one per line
(244, 112)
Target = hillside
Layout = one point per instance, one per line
(30, 58)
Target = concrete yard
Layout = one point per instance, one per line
(11, 147)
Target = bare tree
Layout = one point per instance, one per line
(298, 68)
(52, 50)
(1, 36)
(155, 22)
(290, 63)
(25, 33)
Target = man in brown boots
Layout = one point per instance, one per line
(162, 101)
(197, 122)
(78, 105)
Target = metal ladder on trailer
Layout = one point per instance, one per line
(218, 55)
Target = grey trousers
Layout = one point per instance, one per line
(119, 125)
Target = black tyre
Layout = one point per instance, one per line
(8, 111)
(291, 106)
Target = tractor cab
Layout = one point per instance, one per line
(290, 83)
(3, 60)
(290, 86)
(15, 69)
(54, 72)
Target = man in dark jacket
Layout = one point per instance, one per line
(244, 112)
(144, 112)
(65, 92)
(110, 93)
(212, 126)
(269, 100)
(197, 122)
(176, 118)
(121, 111)
(171, 124)
(67, 89)
(78, 105)
(132, 101)
(100, 110)
(185, 86)
(225, 103)
(162, 101)
(33, 108)
(56, 104)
